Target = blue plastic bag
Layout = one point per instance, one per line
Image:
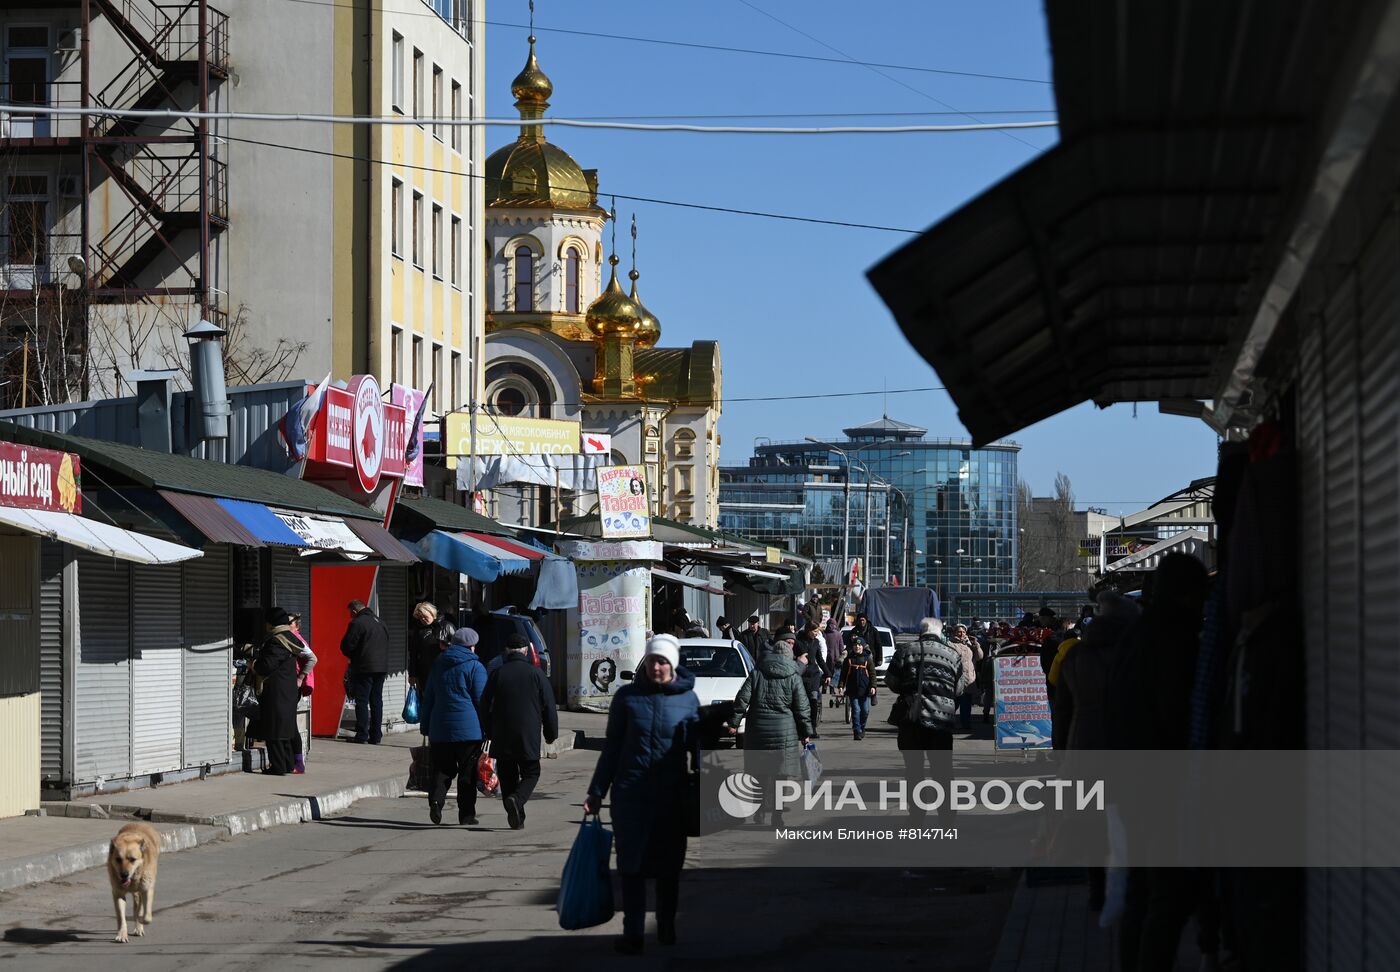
(410, 705)
(585, 890)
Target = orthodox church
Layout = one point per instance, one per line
(562, 344)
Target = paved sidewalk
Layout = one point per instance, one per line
(73, 836)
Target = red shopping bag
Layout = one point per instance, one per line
(487, 783)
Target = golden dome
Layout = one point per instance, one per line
(614, 313)
(649, 330)
(535, 173)
(532, 86)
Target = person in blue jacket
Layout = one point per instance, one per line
(652, 733)
(448, 715)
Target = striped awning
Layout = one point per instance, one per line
(468, 555)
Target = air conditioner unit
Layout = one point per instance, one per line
(70, 40)
(69, 187)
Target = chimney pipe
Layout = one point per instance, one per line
(209, 418)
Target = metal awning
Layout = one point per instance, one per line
(1150, 255)
(507, 547)
(756, 573)
(1146, 560)
(382, 542)
(700, 584)
(101, 538)
(467, 555)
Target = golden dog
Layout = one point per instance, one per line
(131, 867)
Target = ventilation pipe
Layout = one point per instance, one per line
(209, 416)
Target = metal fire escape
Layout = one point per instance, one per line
(174, 187)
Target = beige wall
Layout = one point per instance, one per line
(19, 756)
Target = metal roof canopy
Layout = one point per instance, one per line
(1150, 254)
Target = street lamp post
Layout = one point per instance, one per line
(846, 506)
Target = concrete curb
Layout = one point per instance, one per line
(81, 857)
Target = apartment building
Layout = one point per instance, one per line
(320, 248)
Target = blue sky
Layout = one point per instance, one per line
(787, 301)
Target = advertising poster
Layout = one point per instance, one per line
(622, 502)
(509, 435)
(614, 605)
(412, 401)
(1023, 709)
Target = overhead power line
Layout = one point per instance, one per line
(179, 114)
(716, 48)
(614, 195)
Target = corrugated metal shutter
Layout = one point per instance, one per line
(1377, 374)
(291, 587)
(102, 682)
(51, 660)
(391, 588)
(208, 653)
(157, 669)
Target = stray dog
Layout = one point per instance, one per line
(131, 867)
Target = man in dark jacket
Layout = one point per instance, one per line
(866, 631)
(858, 684)
(754, 637)
(927, 675)
(366, 644)
(517, 706)
(451, 694)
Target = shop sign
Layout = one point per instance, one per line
(356, 430)
(39, 479)
(622, 502)
(323, 534)
(772, 555)
(588, 550)
(509, 435)
(1022, 705)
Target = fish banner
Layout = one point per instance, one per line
(1023, 707)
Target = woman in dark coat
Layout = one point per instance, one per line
(276, 665)
(652, 733)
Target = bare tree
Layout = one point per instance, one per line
(1049, 550)
(245, 361)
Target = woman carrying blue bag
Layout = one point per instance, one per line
(652, 735)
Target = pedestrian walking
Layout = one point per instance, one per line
(517, 708)
(651, 744)
(276, 665)
(772, 704)
(866, 631)
(429, 636)
(928, 677)
(448, 710)
(969, 652)
(306, 661)
(858, 684)
(813, 678)
(835, 645)
(366, 645)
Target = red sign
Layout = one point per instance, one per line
(356, 430)
(39, 479)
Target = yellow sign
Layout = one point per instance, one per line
(506, 435)
(775, 555)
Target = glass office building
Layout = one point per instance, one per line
(955, 504)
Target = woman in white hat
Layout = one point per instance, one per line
(653, 724)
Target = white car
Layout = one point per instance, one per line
(886, 650)
(720, 667)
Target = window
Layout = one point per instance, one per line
(456, 134)
(454, 257)
(418, 85)
(396, 73)
(437, 102)
(456, 389)
(524, 279)
(418, 230)
(437, 241)
(27, 205)
(571, 281)
(417, 361)
(396, 355)
(437, 377)
(396, 218)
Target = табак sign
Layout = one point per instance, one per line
(622, 502)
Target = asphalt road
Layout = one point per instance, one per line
(380, 887)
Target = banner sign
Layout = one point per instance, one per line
(324, 534)
(622, 550)
(1023, 708)
(504, 435)
(356, 430)
(614, 612)
(622, 502)
(411, 400)
(39, 479)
